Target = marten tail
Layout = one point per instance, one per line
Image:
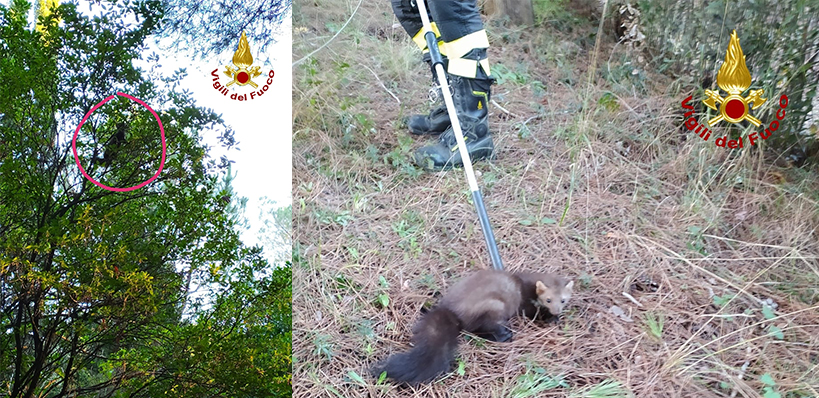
(436, 338)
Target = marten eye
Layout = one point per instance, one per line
(548, 300)
(563, 301)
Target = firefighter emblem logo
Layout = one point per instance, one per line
(734, 78)
(242, 59)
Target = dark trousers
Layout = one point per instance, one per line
(458, 25)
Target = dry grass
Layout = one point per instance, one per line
(612, 194)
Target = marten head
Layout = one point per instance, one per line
(555, 295)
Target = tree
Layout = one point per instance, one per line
(276, 232)
(92, 281)
(239, 347)
(209, 27)
(520, 12)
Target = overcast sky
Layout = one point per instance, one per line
(263, 125)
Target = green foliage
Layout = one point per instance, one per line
(534, 382)
(276, 233)
(410, 228)
(768, 391)
(517, 75)
(555, 12)
(324, 346)
(777, 38)
(776, 332)
(655, 323)
(585, 280)
(331, 217)
(721, 301)
(609, 101)
(351, 125)
(534, 220)
(606, 389)
(697, 242)
(383, 297)
(461, 369)
(401, 156)
(96, 287)
(355, 377)
(239, 347)
(214, 28)
(767, 312)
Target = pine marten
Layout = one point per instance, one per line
(481, 303)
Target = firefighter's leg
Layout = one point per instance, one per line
(436, 121)
(465, 43)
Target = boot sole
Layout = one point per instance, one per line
(477, 155)
(423, 133)
(450, 166)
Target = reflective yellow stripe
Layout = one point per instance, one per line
(463, 67)
(421, 42)
(460, 47)
(485, 65)
(440, 44)
(455, 148)
(482, 94)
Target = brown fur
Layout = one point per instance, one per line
(543, 295)
(481, 303)
(484, 302)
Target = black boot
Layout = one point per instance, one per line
(437, 121)
(470, 97)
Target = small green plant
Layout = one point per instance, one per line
(344, 283)
(606, 389)
(697, 243)
(767, 312)
(721, 301)
(504, 74)
(535, 381)
(311, 66)
(365, 329)
(323, 345)
(353, 253)
(776, 332)
(523, 131)
(401, 155)
(609, 101)
(532, 220)
(409, 229)
(461, 370)
(585, 280)
(326, 216)
(383, 296)
(354, 123)
(356, 378)
(654, 323)
(769, 391)
(428, 282)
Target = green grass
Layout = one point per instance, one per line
(605, 389)
(534, 382)
(654, 323)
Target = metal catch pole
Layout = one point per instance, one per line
(438, 64)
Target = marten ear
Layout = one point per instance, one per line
(569, 285)
(540, 288)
